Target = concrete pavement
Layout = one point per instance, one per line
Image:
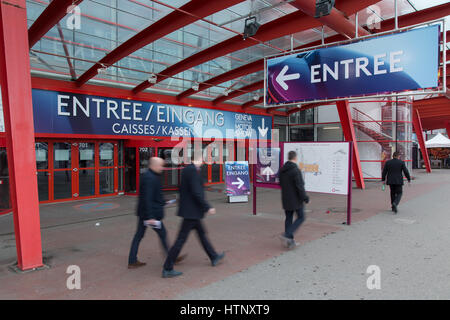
(410, 248)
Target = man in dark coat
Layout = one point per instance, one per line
(192, 208)
(394, 170)
(293, 196)
(150, 210)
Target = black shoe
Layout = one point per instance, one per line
(394, 208)
(171, 273)
(217, 259)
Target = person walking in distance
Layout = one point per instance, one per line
(293, 196)
(192, 208)
(394, 170)
(150, 210)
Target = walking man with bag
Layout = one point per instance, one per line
(150, 210)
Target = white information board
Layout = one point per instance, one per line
(325, 165)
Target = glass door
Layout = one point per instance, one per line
(86, 169)
(43, 170)
(4, 181)
(130, 169)
(107, 168)
(62, 171)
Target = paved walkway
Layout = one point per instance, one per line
(410, 248)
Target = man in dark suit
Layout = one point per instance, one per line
(394, 170)
(293, 196)
(192, 208)
(150, 210)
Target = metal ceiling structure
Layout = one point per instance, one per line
(196, 48)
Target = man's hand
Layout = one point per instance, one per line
(306, 199)
(211, 211)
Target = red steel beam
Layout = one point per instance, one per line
(54, 12)
(343, 108)
(224, 77)
(238, 92)
(437, 100)
(349, 7)
(335, 20)
(251, 103)
(417, 124)
(15, 83)
(421, 16)
(288, 24)
(175, 20)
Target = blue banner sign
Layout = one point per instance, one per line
(267, 165)
(237, 178)
(404, 61)
(71, 113)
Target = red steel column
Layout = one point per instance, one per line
(419, 133)
(345, 115)
(15, 81)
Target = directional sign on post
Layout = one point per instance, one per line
(237, 178)
(268, 165)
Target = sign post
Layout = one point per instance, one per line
(349, 192)
(265, 171)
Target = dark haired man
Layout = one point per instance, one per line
(192, 208)
(293, 196)
(394, 170)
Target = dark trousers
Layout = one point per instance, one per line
(140, 232)
(289, 226)
(396, 193)
(186, 226)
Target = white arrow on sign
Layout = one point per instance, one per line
(282, 77)
(240, 183)
(263, 129)
(267, 171)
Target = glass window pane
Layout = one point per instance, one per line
(62, 184)
(120, 153)
(41, 155)
(86, 182)
(130, 169)
(145, 154)
(120, 179)
(62, 156)
(86, 153)
(106, 177)
(42, 185)
(4, 178)
(106, 154)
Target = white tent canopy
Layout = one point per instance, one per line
(439, 141)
